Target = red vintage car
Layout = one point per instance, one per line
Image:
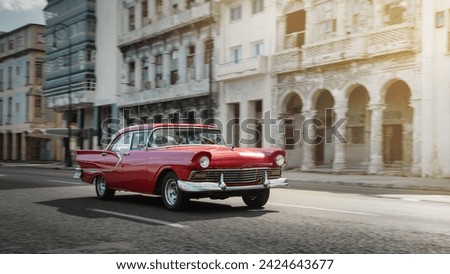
(181, 162)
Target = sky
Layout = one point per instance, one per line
(17, 13)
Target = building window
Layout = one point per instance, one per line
(159, 6)
(295, 29)
(131, 19)
(91, 26)
(144, 70)
(394, 14)
(189, 4)
(440, 19)
(18, 71)
(2, 48)
(10, 72)
(236, 54)
(10, 44)
(209, 48)
(257, 48)
(9, 115)
(191, 62)
(144, 5)
(20, 42)
(27, 74)
(131, 74)
(38, 106)
(158, 71)
(257, 6)
(38, 72)
(236, 13)
(174, 67)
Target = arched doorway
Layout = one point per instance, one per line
(324, 151)
(358, 128)
(397, 126)
(293, 121)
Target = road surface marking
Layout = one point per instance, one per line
(324, 209)
(2, 175)
(64, 182)
(150, 220)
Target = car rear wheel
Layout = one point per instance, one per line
(256, 199)
(173, 198)
(102, 190)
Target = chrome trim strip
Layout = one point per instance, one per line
(189, 186)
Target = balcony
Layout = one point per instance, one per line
(166, 24)
(391, 39)
(387, 40)
(133, 97)
(244, 68)
(287, 60)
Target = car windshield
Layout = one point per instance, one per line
(185, 136)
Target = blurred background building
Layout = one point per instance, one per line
(376, 71)
(23, 116)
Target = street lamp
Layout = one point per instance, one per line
(58, 29)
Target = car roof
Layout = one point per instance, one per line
(164, 125)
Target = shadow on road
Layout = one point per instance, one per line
(151, 208)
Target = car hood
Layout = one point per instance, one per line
(230, 157)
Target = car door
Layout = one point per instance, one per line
(133, 167)
(112, 158)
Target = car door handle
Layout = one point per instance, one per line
(126, 153)
(104, 154)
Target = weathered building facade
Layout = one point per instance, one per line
(363, 66)
(23, 116)
(167, 49)
(70, 68)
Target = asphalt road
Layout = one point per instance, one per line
(46, 211)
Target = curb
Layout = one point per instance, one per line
(375, 185)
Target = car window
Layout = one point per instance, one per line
(122, 143)
(185, 136)
(138, 140)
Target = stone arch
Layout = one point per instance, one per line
(397, 124)
(292, 106)
(323, 102)
(358, 126)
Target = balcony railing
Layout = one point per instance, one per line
(166, 23)
(386, 40)
(172, 92)
(287, 60)
(243, 68)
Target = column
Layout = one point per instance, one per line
(309, 132)
(416, 168)
(340, 146)
(14, 147)
(182, 65)
(376, 139)
(23, 152)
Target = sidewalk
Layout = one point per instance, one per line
(297, 177)
(380, 181)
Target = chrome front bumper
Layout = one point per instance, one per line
(221, 186)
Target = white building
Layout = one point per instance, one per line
(246, 42)
(381, 64)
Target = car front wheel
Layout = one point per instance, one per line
(173, 198)
(102, 190)
(256, 199)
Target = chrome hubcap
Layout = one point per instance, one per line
(101, 186)
(171, 192)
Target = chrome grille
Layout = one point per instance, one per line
(246, 175)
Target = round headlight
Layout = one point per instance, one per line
(204, 161)
(279, 160)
